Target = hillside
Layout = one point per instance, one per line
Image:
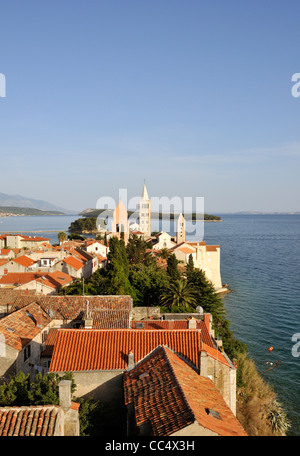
(19, 201)
(154, 215)
(10, 210)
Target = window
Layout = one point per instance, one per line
(213, 413)
(44, 335)
(27, 352)
(139, 325)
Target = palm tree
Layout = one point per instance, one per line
(179, 296)
(164, 253)
(62, 236)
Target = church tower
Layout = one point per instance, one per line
(145, 213)
(120, 222)
(180, 235)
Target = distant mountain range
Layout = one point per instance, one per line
(22, 201)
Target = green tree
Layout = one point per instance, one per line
(85, 224)
(62, 237)
(136, 249)
(44, 390)
(90, 411)
(148, 283)
(118, 268)
(164, 253)
(190, 266)
(206, 294)
(172, 268)
(16, 391)
(75, 236)
(179, 297)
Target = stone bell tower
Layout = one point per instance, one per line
(145, 213)
(180, 234)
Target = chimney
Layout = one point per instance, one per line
(65, 399)
(207, 321)
(192, 323)
(38, 319)
(88, 321)
(131, 363)
(203, 361)
(171, 324)
(70, 419)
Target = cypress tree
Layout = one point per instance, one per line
(172, 268)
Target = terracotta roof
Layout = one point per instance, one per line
(101, 258)
(59, 278)
(170, 395)
(53, 279)
(49, 342)
(81, 255)
(102, 319)
(110, 319)
(180, 245)
(97, 349)
(4, 261)
(173, 324)
(89, 242)
(195, 243)
(186, 250)
(20, 327)
(4, 251)
(73, 307)
(8, 296)
(74, 262)
(212, 248)
(24, 261)
(34, 239)
(19, 278)
(37, 420)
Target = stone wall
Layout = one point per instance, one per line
(145, 313)
(224, 378)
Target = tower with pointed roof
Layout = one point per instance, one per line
(180, 235)
(145, 212)
(120, 221)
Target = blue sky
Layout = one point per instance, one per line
(193, 96)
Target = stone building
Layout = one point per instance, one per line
(22, 334)
(145, 213)
(120, 222)
(164, 396)
(180, 229)
(98, 358)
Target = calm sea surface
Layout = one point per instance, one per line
(260, 261)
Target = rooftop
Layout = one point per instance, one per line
(24, 261)
(170, 395)
(21, 326)
(28, 421)
(97, 349)
(73, 307)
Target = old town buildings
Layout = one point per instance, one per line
(128, 362)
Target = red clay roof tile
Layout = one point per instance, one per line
(169, 394)
(92, 349)
(21, 326)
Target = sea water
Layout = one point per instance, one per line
(260, 262)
